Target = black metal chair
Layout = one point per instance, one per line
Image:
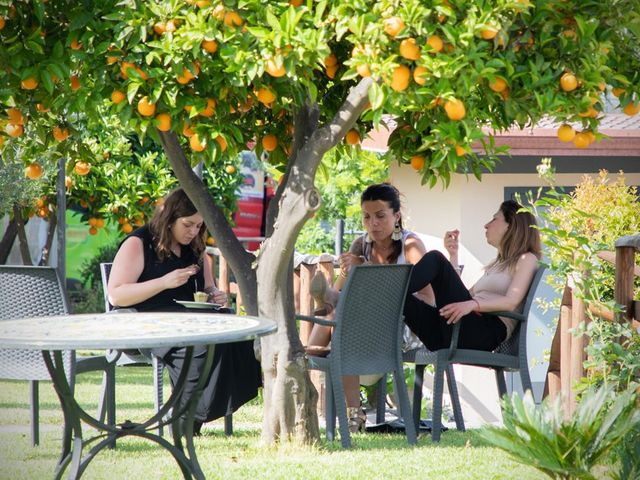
(136, 358)
(367, 340)
(511, 355)
(28, 291)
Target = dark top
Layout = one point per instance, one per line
(155, 268)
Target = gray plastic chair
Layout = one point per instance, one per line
(511, 355)
(136, 358)
(367, 340)
(28, 291)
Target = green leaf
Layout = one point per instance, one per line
(376, 96)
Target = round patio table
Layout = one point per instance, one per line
(54, 334)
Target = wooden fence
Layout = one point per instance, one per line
(568, 350)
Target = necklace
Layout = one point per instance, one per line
(384, 249)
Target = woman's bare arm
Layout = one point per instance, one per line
(124, 289)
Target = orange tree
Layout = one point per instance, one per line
(203, 78)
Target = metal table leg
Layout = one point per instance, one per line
(180, 419)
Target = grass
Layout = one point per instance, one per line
(457, 456)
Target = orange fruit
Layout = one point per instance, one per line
(417, 162)
(99, 222)
(265, 95)
(3, 22)
(400, 79)
(14, 130)
(170, 26)
(82, 168)
(111, 60)
(92, 221)
(163, 122)
(41, 108)
(436, 43)
(74, 82)
(589, 113)
(60, 134)
(29, 83)
(631, 108)
(210, 46)
(195, 143)
(33, 171)
(409, 49)
(210, 109)
(93, 230)
(352, 137)
(295, 3)
(126, 227)
(419, 75)
(566, 133)
(363, 70)
(124, 68)
(210, 240)
(460, 151)
(117, 96)
(221, 142)
(330, 60)
(75, 45)
(489, 33)
(581, 140)
(232, 19)
(15, 116)
(331, 71)
(269, 142)
(591, 135)
(159, 28)
(146, 108)
(393, 26)
(455, 109)
(498, 85)
(273, 69)
(230, 169)
(568, 82)
(68, 182)
(617, 91)
(218, 12)
(187, 131)
(40, 202)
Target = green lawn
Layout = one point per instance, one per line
(458, 456)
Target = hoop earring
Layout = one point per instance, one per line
(397, 233)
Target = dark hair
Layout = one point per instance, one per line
(176, 205)
(390, 194)
(522, 235)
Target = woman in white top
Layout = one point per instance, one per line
(385, 242)
(503, 286)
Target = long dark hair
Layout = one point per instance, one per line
(391, 195)
(175, 205)
(521, 236)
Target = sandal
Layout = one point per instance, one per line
(357, 419)
(325, 298)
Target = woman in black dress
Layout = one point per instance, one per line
(166, 260)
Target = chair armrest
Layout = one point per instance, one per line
(317, 320)
(510, 314)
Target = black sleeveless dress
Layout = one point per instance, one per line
(235, 376)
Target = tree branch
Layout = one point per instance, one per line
(8, 240)
(22, 236)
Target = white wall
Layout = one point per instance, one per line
(467, 204)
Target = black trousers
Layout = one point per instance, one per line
(478, 331)
(234, 379)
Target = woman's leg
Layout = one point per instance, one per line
(478, 332)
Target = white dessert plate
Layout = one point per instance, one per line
(197, 304)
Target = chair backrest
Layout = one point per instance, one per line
(105, 270)
(27, 291)
(369, 317)
(518, 341)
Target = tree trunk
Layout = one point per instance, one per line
(8, 240)
(22, 236)
(289, 396)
